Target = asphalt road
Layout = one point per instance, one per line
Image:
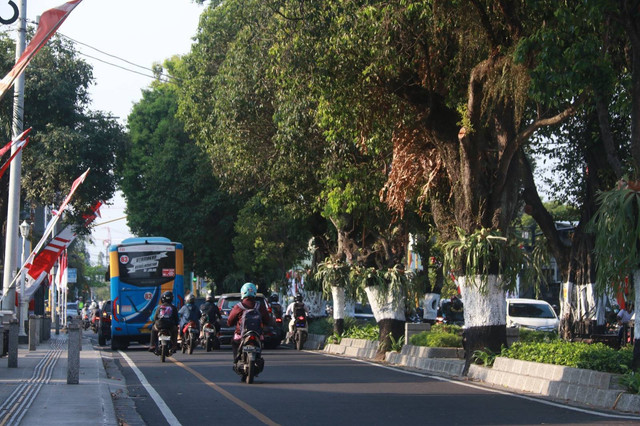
(312, 388)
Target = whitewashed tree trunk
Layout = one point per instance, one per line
(388, 308)
(315, 303)
(565, 310)
(485, 315)
(339, 298)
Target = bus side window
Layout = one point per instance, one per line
(107, 275)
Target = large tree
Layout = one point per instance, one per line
(170, 186)
(67, 136)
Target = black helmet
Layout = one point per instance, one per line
(274, 297)
(209, 298)
(167, 297)
(298, 298)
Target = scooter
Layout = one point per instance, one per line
(300, 332)
(250, 362)
(210, 339)
(163, 349)
(190, 337)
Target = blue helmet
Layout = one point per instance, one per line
(248, 290)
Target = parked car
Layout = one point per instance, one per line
(272, 336)
(104, 323)
(363, 312)
(72, 310)
(531, 313)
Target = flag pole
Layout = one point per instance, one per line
(15, 172)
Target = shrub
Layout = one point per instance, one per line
(597, 356)
(367, 332)
(486, 357)
(631, 381)
(436, 340)
(322, 326)
(446, 328)
(529, 336)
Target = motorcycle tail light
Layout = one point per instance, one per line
(278, 319)
(301, 318)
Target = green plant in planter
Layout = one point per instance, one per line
(396, 345)
(631, 380)
(486, 357)
(616, 226)
(486, 252)
(331, 273)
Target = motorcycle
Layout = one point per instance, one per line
(250, 362)
(300, 332)
(163, 349)
(210, 339)
(190, 337)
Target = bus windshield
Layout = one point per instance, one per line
(147, 265)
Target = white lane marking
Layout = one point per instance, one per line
(164, 408)
(471, 385)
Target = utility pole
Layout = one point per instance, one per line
(15, 173)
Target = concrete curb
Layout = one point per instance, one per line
(358, 348)
(586, 387)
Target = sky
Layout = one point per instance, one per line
(132, 34)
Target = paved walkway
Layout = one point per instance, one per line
(36, 392)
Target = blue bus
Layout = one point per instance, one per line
(140, 270)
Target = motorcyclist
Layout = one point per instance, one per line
(95, 314)
(295, 309)
(276, 307)
(189, 312)
(166, 318)
(248, 294)
(209, 312)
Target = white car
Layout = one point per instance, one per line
(531, 313)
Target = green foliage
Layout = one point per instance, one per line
(484, 357)
(446, 328)
(365, 331)
(486, 252)
(616, 226)
(396, 344)
(67, 137)
(331, 273)
(631, 380)
(437, 339)
(170, 189)
(322, 326)
(268, 240)
(526, 335)
(597, 356)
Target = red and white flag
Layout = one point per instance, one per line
(62, 271)
(16, 141)
(49, 23)
(38, 266)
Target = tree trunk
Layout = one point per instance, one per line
(565, 310)
(338, 296)
(389, 311)
(485, 316)
(635, 364)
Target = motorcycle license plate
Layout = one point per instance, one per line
(209, 330)
(164, 338)
(249, 349)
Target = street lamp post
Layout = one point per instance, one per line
(24, 231)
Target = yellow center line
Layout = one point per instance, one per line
(248, 408)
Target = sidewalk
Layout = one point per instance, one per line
(36, 392)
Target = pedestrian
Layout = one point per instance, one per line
(623, 318)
